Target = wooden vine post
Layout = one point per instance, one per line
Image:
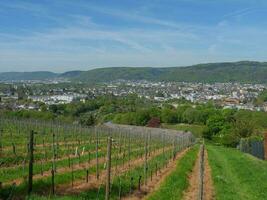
(53, 181)
(108, 168)
(30, 162)
(146, 166)
(265, 146)
(129, 149)
(201, 173)
(1, 143)
(97, 167)
(54, 153)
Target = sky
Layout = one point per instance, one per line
(64, 35)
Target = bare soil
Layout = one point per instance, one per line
(156, 181)
(209, 193)
(192, 191)
(82, 185)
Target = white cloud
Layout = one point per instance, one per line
(78, 41)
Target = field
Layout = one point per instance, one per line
(71, 160)
(123, 162)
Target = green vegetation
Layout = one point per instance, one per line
(174, 185)
(38, 75)
(244, 71)
(76, 151)
(248, 72)
(87, 113)
(261, 98)
(197, 130)
(223, 126)
(237, 175)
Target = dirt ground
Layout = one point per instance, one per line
(192, 192)
(208, 183)
(81, 185)
(156, 181)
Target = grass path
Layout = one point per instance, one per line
(154, 182)
(177, 182)
(237, 175)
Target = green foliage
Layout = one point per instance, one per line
(139, 118)
(261, 98)
(237, 175)
(195, 129)
(215, 124)
(252, 72)
(168, 116)
(225, 127)
(245, 71)
(29, 114)
(88, 120)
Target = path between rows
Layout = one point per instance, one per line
(192, 192)
(157, 180)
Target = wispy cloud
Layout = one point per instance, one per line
(238, 14)
(25, 6)
(136, 16)
(88, 34)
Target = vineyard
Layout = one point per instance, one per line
(41, 159)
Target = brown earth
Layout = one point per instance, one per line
(209, 193)
(62, 170)
(80, 185)
(157, 180)
(192, 192)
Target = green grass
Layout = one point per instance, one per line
(237, 175)
(197, 130)
(174, 185)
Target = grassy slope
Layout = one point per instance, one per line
(177, 182)
(195, 129)
(237, 175)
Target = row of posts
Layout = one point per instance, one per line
(108, 168)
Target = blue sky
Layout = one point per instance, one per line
(62, 35)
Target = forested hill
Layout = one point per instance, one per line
(245, 72)
(22, 76)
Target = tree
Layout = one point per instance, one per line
(88, 120)
(243, 128)
(215, 124)
(168, 116)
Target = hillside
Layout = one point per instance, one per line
(19, 76)
(244, 71)
(249, 72)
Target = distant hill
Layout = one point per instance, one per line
(244, 71)
(20, 76)
(70, 74)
